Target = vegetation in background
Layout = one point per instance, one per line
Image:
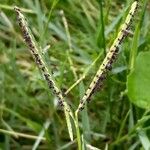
(30, 117)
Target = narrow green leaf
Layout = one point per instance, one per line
(144, 139)
(85, 118)
(123, 125)
(69, 125)
(32, 124)
(101, 28)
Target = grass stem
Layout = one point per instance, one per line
(78, 131)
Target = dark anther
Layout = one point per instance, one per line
(54, 91)
(97, 76)
(108, 58)
(112, 50)
(81, 102)
(120, 40)
(81, 108)
(85, 94)
(46, 76)
(58, 93)
(113, 57)
(94, 82)
(60, 103)
(131, 14)
(89, 99)
(50, 86)
(43, 69)
(89, 87)
(117, 50)
(102, 77)
(115, 46)
(108, 66)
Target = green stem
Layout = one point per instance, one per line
(78, 131)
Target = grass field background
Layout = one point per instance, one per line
(118, 115)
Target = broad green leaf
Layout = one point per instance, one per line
(138, 82)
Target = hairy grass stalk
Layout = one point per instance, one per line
(110, 58)
(39, 60)
(69, 44)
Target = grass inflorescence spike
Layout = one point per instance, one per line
(29, 40)
(110, 58)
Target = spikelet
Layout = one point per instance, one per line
(109, 59)
(29, 40)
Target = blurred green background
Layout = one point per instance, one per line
(118, 115)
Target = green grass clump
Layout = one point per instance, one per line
(73, 38)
